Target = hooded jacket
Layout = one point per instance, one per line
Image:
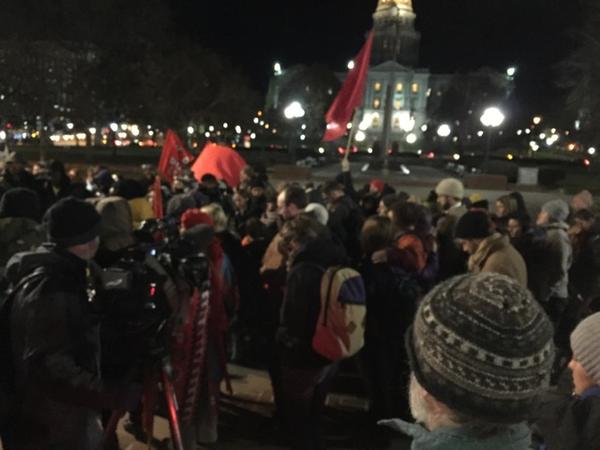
(496, 254)
(302, 302)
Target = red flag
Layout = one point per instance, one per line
(157, 199)
(173, 157)
(350, 95)
(220, 161)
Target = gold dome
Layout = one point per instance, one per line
(403, 4)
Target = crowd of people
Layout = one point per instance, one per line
(481, 318)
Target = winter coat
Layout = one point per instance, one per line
(452, 261)
(584, 274)
(18, 235)
(345, 222)
(56, 350)
(511, 437)
(570, 423)
(496, 254)
(301, 303)
(557, 237)
(544, 267)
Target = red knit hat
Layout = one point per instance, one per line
(194, 217)
(378, 185)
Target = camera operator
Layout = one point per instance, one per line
(55, 338)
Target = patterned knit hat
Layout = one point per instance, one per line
(483, 346)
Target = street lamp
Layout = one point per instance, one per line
(444, 130)
(277, 69)
(292, 112)
(492, 118)
(511, 72)
(411, 138)
(350, 65)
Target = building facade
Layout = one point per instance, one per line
(395, 103)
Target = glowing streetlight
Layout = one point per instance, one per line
(238, 129)
(411, 138)
(591, 151)
(190, 130)
(456, 157)
(2, 135)
(321, 150)
(491, 118)
(444, 130)
(114, 127)
(294, 111)
(360, 136)
(92, 130)
(511, 72)
(537, 120)
(350, 65)
(70, 126)
(277, 69)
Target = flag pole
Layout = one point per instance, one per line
(352, 131)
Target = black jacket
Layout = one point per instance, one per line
(570, 423)
(56, 353)
(301, 303)
(345, 222)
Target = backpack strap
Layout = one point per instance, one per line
(334, 272)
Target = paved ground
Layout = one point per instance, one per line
(246, 424)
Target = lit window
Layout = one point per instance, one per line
(376, 103)
(398, 104)
(399, 87)
(375, 122)
(377, 87)
(415, 88)
(396, 122)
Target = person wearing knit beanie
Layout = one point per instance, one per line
(572, 422)
(377, 186)
(72, 222)
(585, 365)
(489, 251)
(480, 351)
(552, 219)
(450, 191)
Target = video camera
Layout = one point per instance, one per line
(131, 296)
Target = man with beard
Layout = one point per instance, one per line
(480, 351)
(450, 193)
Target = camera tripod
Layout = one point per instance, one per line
(155, 382)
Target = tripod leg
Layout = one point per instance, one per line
(111, 428)
(172, 410)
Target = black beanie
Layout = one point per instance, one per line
(71, 221)
(20, 202)
(473, 225)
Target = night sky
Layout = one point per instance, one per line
(457, 35)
